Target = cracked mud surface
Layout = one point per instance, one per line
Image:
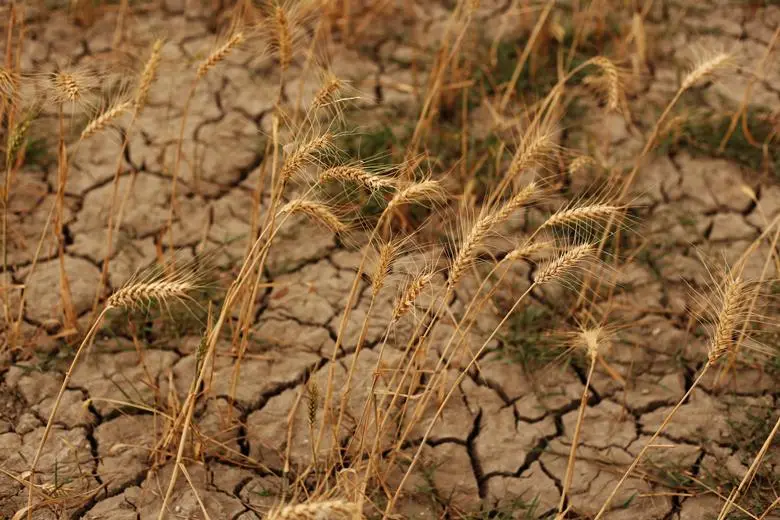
(503, 440)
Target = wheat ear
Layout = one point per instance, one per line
(327, 93)
(138, 294)
(613, 81)
(589, 212)
(412, 289)
(8, 82)
(283, 37)
(318, 211)
(147, 76)
(427, 190)
(533, 149)
(385, 256)
(305, 154)
(564, 263)
(326, 510)
(705, 67)
(16, 138)
(356, 175)
(732, 315)
(468, 249)
(105, 119)
(526, 250)
(220, 53)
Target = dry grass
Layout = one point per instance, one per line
(430, 332)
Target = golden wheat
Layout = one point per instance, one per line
(357, 175)
(305, 154)
(411, 290)
(730, 317)
(147, 76)
(706, 66)
(220, 53)
(283, 37)
(612, 77)
(318, 212)
(588, 212)
(559, 267)
(420, 192)
(106, 118)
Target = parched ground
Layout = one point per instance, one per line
(503, 441)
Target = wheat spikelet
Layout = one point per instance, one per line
(731, 315)
(220, 53)
(705, 67)
(325, 510)
(318, 212)
(105, 119)
(412, 289)
(356, 175)
(563, 264)
(148, 75)
(612, 76)
(589, 212)
(304, 154)
(283, 37)
(427, 190)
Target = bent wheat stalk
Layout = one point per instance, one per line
(130, 296)
(730, 317)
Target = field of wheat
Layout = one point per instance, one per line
(390, 259)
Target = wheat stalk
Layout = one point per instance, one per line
(318, 212)
(220, 54)
(326, 510)
(563, 264)
(105, 119)
(147, 76)
(356, 175)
